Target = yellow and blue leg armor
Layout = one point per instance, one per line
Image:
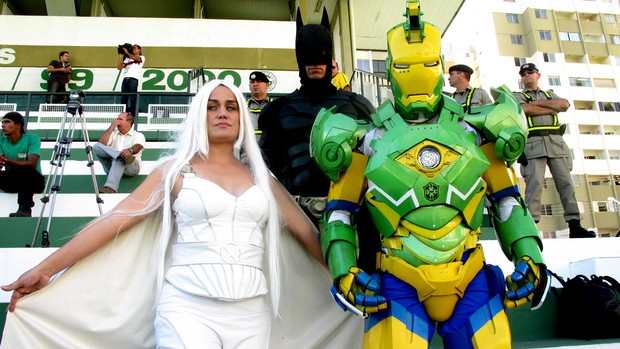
(478, 321)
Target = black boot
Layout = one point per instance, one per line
(577, 231)
(22, 211)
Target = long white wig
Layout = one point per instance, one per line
(193, 141)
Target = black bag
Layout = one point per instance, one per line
(589, 308)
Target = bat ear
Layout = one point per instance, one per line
(299, 20)
(325, 20)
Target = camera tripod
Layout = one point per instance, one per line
(62, 150)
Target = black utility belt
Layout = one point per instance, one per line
(545, 132)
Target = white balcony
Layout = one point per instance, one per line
(609, 118)
(612, 142)
(582, 117)
(597, 166)
(590, 141)
(582, 93)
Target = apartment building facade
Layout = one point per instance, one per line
(576, 45)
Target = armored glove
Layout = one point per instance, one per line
(529, 282)
(356, 293)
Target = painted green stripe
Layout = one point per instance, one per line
(116, 80)
(79, 154)
(52, 135)
(18, 232)
(16, 79)
(160, 57)
(83, 184)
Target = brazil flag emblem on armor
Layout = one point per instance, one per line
(431, 191)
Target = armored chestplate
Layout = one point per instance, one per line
(425, 191)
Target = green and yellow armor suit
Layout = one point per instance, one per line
(423, 171)
(425, 187)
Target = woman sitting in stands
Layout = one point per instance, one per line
(216, 212)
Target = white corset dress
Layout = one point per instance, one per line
(219, 250)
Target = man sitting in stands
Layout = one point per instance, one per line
(19, 156)
(119, 150)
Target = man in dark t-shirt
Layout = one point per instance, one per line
(59, 75)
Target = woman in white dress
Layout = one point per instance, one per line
(221, 215)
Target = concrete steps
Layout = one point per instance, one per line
(75, 206)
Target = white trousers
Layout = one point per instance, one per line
(190, 322)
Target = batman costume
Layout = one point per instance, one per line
(286, 123)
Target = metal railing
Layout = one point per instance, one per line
(29, 103)
(375, 87)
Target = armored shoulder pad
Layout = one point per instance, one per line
(332, 140)
(503, 123)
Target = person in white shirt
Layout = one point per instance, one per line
(120, 151)
(132, 62)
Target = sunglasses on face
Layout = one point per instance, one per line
(527, 72)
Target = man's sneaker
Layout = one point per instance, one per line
(22, 212)
(106, 190)
(577, 231)
(129, 159)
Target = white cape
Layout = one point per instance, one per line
(107, 301)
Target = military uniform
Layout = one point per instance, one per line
(546, 147)
(472, 97)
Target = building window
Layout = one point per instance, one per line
(363, 65)
(520, 61)
(607, 83)
(516, 39)
(549, 57)
(544, 35)
(540, 14)
(512, 18)
(614, 39)
(598, 38)
(610, 18)
(601, 206)
(582, 82)
(564, 36)
(609, 106)
(612, 206)
(545, 210)
(378, 66)
(554, 80)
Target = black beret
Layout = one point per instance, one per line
(461, 67)
(259, 76)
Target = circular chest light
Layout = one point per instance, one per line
(429, 158)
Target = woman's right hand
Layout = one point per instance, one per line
(29, 282)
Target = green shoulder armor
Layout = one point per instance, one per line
(503, 123)
(332, 140)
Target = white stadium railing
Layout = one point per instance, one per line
(166, 116)
(7, 107)
(96, 116)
